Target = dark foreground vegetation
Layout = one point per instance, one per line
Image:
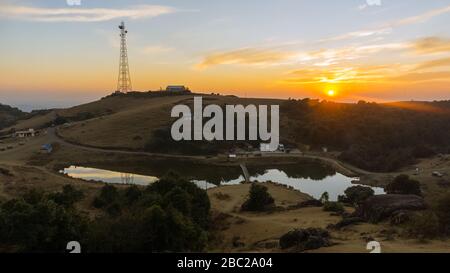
(170, 215)
(377, 137)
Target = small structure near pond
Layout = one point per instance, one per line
(26, 133)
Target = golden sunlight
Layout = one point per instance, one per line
(331, 93)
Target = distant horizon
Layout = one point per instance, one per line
(28, 106)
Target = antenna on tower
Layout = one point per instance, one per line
(124, 80)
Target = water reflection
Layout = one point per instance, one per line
(93, 174)
(311, 178)
(334, 184)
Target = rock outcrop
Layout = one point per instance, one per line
(380, 207)
(305, 239)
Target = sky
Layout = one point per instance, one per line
(56, 54)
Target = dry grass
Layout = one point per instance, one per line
(260, 232)
(126, 121)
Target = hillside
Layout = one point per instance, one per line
(9, 115)
(125, 121)
(377, 137)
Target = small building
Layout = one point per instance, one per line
(28, 133)
(177, 88)
(265, 147)
(47, 148)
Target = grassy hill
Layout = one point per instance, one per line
(9, 115)
(133, 124)
(380, 137)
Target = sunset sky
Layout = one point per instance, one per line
(53, 54)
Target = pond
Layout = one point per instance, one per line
(311, 178)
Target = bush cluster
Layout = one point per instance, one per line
(356, 195)
(259, 199)
(403, 184)
(337, 207)
(171, 215)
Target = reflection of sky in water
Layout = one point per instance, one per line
(334, 184)
(108, 176)
(203, 184)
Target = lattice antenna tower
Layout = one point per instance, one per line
(124, 79)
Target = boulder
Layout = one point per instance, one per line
(305, 239)
(380, 207)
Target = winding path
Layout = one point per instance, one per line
(344, 168)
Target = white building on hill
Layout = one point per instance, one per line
(28, 133)
(177, 88)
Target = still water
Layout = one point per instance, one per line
(311, 178)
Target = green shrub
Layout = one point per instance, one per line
(442, 211)
(38, 224)
(424, 226)
(108, 195)
(402, 184)
(198, 199)
(68, 197)
(114, 209)
(258, 200)
(178, 199)
(337, 207)
(171, 214)
(132, 194)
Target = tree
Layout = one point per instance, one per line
(132, 194)
(259, 199)
(39, 225)
(402, 184)
(324, 197)
(108, 194)
(179, 199)
(356, 194)
(170, 215)
(68, 197)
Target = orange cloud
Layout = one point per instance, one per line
(341, 75)
(431, 45)
(423, 77)
(434, 63)
(252, 56)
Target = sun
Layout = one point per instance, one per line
(331, 93)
